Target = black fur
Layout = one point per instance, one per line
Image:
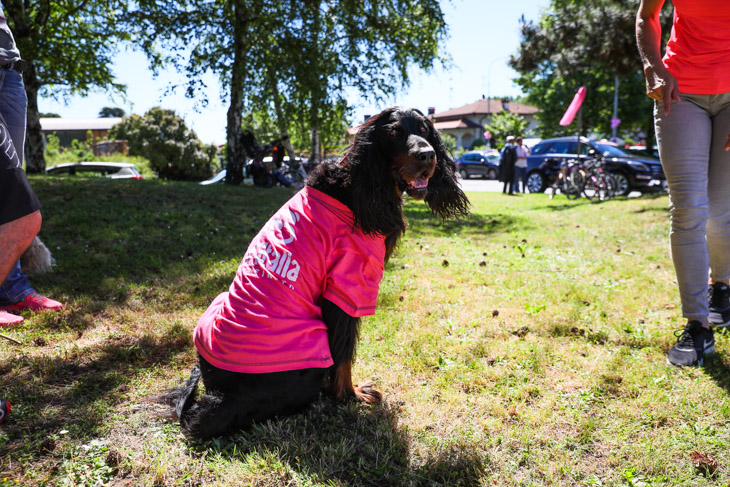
(394, 152)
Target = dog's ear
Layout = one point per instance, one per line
(376, 204)
(445, 198)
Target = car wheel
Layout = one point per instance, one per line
(464, 173)
(492, 174)
(536, 182)
(621, 183)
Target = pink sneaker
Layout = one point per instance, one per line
(6, 319)
(34, 302)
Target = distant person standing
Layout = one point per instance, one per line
(507, 164)
(690, 86)
(19, 208)
(520, 165)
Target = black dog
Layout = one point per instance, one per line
(394, 152)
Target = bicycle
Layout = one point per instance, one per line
(569, 180)
(599, 184)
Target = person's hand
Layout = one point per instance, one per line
(727, 143)
(661, 85)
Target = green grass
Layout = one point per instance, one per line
(523, 346)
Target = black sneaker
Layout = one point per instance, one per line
(693, 343)
(718, 295)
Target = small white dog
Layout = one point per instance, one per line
(36, 259)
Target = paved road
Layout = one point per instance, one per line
(494, 186)
(481, 185)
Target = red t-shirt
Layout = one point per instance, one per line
(698, 51)
(270, 320)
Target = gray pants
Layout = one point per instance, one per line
(691, 140)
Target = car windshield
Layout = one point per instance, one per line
(611, 150)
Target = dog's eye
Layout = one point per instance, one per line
(423, 129)
(393, 131)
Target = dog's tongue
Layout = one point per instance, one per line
(420, 183)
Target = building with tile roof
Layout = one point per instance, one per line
(466, 124)
(69, 129)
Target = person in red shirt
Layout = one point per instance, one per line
(691, 88)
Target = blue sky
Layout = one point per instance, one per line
(483, 33)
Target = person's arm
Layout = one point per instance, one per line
(660, 84)
(15, 237)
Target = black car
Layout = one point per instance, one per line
(480, 163)
(632, 172)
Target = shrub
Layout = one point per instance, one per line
(78, 152)
(174, 151)
(479, 143)
(503, 124)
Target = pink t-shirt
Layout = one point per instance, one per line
(698, 51)
(270, 319)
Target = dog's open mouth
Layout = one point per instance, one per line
(419, 183)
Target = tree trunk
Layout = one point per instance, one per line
(34, 157)
(314, 158)
(235, 155)
(316, 88)
(281, 121)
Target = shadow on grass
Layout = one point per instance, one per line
(423, 222)
(77, 390)
(652, 210)
(354, 445)
(111, 238)
(718, 367)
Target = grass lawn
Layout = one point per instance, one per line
(523, 346)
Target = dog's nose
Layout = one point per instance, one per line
(425, 155)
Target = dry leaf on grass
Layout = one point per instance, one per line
(705, 463)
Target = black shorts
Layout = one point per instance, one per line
(17, 199)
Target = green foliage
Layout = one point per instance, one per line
(585, 43)
(78, 152)
(173, 151)
(449, 142)
(53, 146)
(505, 123)
(293, 64)
(111, 112)
(70, 47)
(478, 144)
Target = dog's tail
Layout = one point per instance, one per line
(184, 396)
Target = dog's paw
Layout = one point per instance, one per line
(366, 393)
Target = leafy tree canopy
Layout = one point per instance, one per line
(69, 46)
(295, 61)
(591, 43)
(111, 112)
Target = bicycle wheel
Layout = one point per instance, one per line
(574, 183)
(591, 190)
(598, 188)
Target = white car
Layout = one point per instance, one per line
(112, 170)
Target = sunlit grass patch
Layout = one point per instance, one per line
(522, 346)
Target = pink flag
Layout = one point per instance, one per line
(574, 106)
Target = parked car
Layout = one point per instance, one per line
(112, 170)
(643, 150)
(480, 163)
(632, 172)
